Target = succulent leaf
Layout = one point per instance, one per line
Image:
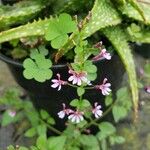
(39, 28)
(129, 10)
(19, 12)
(119, 41)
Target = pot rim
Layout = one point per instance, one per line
(9, 60)
(19, 64)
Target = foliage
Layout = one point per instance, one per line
(58, 29)
(74, 136)
(19, 13)
(121, 45)
(38, 67)
(120, 24)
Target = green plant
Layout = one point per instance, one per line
(75, 136)
(75, 38)
(106, 19)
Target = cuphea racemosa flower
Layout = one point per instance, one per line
(58, 82)
(64, 112)
(97, 110)
(104, 87)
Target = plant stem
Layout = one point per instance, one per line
(51, 128)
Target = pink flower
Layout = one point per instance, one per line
(98, 45)
(102, 54)
(104, 87)
(12, 113)
(77, 78)
(147, 89)
(64, 112)
(58, 83)
(76, 117)
(97, 110)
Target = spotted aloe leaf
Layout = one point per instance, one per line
(19, 12)
(103, 15)
(132, 12)
(39, 28)
(119, 41)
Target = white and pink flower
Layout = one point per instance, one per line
(58, 82)
(12, 113)
(104, 87)
(64, 112)
(97, 110)
(147, 89)
(101, 55)
(78, 77)
(76, 117)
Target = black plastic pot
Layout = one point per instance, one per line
(43, 96)
(142, 49)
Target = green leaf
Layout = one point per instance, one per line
(138, 33)
(85, 103)
(123, 94)
(91, 76)
(116, 140)
(80, 103)
(10, 147)
(31, 132)
(42, 142)
(42, 129)
(147, 69)
(89, 67)
(74, 103)
(119, 112)
(108, 100)
(23, 148)
(89, 141)
(56, 143)
(107, 129)
(7, 119)
(80, 91)
(119, 41)
(44, 114)
(38, 67)
(51, 121)
(58, 30)
(59, 41)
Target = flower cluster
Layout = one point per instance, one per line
(76, 78)
(80, 79)
(78, 116)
